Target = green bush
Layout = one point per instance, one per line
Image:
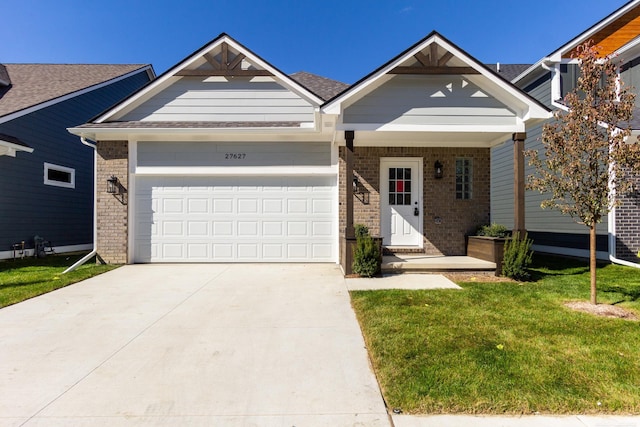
(493, 230)
(366, 256)
(517, 257)
(361, 230)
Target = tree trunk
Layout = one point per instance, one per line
(592, 262)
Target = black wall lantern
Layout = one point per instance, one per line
(112, 185)
(437, 173)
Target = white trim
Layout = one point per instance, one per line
(159, 83)
(62, 98)
(54, 183)
(10, 149)
(57, 249)
(532, 108)
(391, 127)
(239, 170)
(131, 201)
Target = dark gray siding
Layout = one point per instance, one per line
(569, 74)
(549, 226)
(631, 77)
(28, 206)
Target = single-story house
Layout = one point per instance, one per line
(549, 80)
(46, 175)
(225, 158)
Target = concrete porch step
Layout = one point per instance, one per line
(418, 263)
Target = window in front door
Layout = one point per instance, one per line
(399, 186)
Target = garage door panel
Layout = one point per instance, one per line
(235, 219)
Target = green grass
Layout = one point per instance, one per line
(29, 277)
(507, 348)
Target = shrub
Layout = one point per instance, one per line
(517, 257)
(361, 230)
(366, 256)
(493, 230)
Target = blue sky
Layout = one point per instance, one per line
(343, 40)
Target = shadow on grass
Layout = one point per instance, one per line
(632, 294)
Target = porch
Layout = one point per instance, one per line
(423, 263)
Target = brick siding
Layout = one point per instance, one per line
(628, 224)
(112, 209)
(457, 218)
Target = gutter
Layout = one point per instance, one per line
(612, 243)
(94, 251)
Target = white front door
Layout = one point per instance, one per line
(401, 201)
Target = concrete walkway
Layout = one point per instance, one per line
(197, 345)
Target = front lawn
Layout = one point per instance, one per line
(29, 277)
(507, 348)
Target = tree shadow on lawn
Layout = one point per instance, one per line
(629, 294)
(549, 265)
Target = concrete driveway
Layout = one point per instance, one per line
(198, 345)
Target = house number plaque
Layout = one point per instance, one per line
(235, 156)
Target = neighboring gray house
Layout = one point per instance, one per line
(548, 81)
(46, 174)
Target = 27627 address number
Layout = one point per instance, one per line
(234, 156)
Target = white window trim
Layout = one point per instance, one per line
(469, 191)
(71, 171)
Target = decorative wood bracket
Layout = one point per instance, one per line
(225, 67)
(432, 64)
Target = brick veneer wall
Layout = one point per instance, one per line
(112, 210)
(628, 224)
(457, 217)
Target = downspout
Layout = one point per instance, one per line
(94, 251)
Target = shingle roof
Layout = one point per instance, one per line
(509, 71)
(321, 86)
(33, 84)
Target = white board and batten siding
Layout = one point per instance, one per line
(429, 100)
(216, 99)
(276, 216)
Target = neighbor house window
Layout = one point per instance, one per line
(59, 176)
(464, 179)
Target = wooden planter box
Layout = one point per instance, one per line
(348, 246)
(488, 249)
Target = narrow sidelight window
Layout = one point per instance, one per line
(464, 179)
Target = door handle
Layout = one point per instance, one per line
(416, 212)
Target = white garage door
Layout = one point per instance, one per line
(235, 219)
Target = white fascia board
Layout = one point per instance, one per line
(170, 76)
(239, 170)
(517, 126)
(96, 132)
(11, 149)
(68, 96)
(629, 51)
